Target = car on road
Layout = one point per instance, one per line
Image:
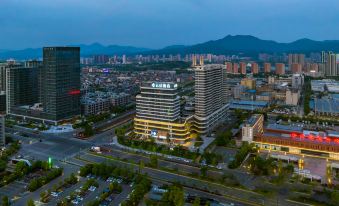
(92, 188)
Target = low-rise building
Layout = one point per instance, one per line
(120, 99)
(292, 97)
(253, 126)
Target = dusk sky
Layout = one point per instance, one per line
(159, 23)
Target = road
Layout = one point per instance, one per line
(235, 195)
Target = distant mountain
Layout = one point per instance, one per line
(245, 44)
(250, 45)
(86, 50)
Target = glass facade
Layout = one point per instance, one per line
(60, 85)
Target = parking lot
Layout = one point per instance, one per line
(76, 196)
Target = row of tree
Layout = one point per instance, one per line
(142, 186)
(36, 183)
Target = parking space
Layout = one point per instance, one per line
(13, 189)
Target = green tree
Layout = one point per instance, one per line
(154, 161)
(141, 166)
(203, 171)
(196, 201)
(174, 196)
(334, 198)
(3, 165)
(5, 201)
(88, 130)
(30, 202)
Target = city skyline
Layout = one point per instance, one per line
(155, 24)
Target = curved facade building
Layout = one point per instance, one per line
(158, 113)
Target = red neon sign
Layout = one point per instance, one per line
(313, 138)
(74, 92)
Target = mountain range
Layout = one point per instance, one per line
(245, 44)
(86, 50)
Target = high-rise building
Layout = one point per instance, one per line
(267, 67)
(158, 113)
(194, 60)
(22, 86)
(61, 82)
(242, 67)
(2, 131)
(280, 68)
(323, 57)
(296, 59)
(124, 60)
(229, 67)
(3, 67)
(331, 64)
(235, 68)
(210, 97)
(254, 68)
(100, 59)
(296, 68)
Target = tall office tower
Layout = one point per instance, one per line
(158, 113)
(267, 67)
(242, 67)
(194, 60)
(210, 97)
(254, 68)
(22, 86)
(100, 59)
(235, 68)
(331, 64)
(61, 82)
(2, 131)
(280, 68)
(229, 67)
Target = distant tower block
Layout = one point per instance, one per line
(194, 60)
(201, 60)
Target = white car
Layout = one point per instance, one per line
(92, 188)
(75, 202)
(54, 194)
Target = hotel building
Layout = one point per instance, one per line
(158, 114)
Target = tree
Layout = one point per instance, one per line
(203, 171)
(154, 161)
(30, 202)
(3, 165)
(334, 198)
(88, 130)
(174, 196)
(5, 201)
(141, 166)
(196, 201)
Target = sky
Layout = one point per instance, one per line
(159, 23)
